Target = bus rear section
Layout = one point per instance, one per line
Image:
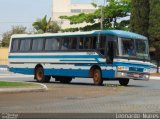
(101, 55)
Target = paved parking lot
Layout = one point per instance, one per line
(81, 96)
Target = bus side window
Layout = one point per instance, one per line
(37, 44)
(87, 43)
(111, 48)
(52, 44)
(94, 42)
(65, 44)
(110, 51)
(15, 45)
(81, 43)
(90, 43)
(102, 44)
(25, 45)
(73, 43)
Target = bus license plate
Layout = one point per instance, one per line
(136, 75)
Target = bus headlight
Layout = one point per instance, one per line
(146, 76)
(123, 68)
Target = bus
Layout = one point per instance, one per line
(102, 55)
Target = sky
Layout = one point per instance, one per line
(25, 12)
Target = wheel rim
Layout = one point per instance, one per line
(96, 76)
(39, 75)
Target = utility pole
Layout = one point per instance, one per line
(102, 15)
(52, 9)
(102, 18)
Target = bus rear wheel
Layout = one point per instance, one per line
(40, 77)
(64, 79)
(124, 82)
(97, 77)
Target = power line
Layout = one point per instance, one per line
(12, 22)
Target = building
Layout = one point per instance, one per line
(3, 56)
(65, 7)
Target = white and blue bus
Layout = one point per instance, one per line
(101, 55)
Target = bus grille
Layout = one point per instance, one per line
(135, 69)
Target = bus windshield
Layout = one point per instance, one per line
(134, 48)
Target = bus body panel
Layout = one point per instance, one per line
(61, 64)
(64, 64)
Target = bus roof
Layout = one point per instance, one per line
(119, 33)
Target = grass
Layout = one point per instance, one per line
(16, 84)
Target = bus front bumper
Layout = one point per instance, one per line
(133, 75)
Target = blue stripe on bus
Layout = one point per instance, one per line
(62, 56)
(28, 71)
(108, 73)
(64, 72)
(131, 64)
(78, 60)
(53, 72)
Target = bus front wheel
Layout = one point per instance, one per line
(40, 77)
(124, 82)
(97, 77)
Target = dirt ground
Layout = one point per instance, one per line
(155, 74)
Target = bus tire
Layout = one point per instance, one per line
(123, 82)
(40, 77)
(97, 77)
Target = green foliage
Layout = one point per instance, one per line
(94, 4)
(145, 20)
(7, 35)
(114, 10)
(140, 16)
(4, 84)
(43, 25)
(154, 26)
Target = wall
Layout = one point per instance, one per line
(3, 56)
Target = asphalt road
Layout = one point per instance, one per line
(81, 96)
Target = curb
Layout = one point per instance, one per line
(13, 75)
(23, 90)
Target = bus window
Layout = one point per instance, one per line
(15, 45)
(73, 43)
(25, 45)
(112, 49)
(87, 43)
(128, 47)
(37, 44)
(69, 43)
(94, 41)
(52, 44)
(81, 43)
(110, 53)
(102, 44)
(65, 44)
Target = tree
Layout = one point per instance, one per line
(154, 27)
(43, 26)
(112, 12)
(140, 16)
(7, 35)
